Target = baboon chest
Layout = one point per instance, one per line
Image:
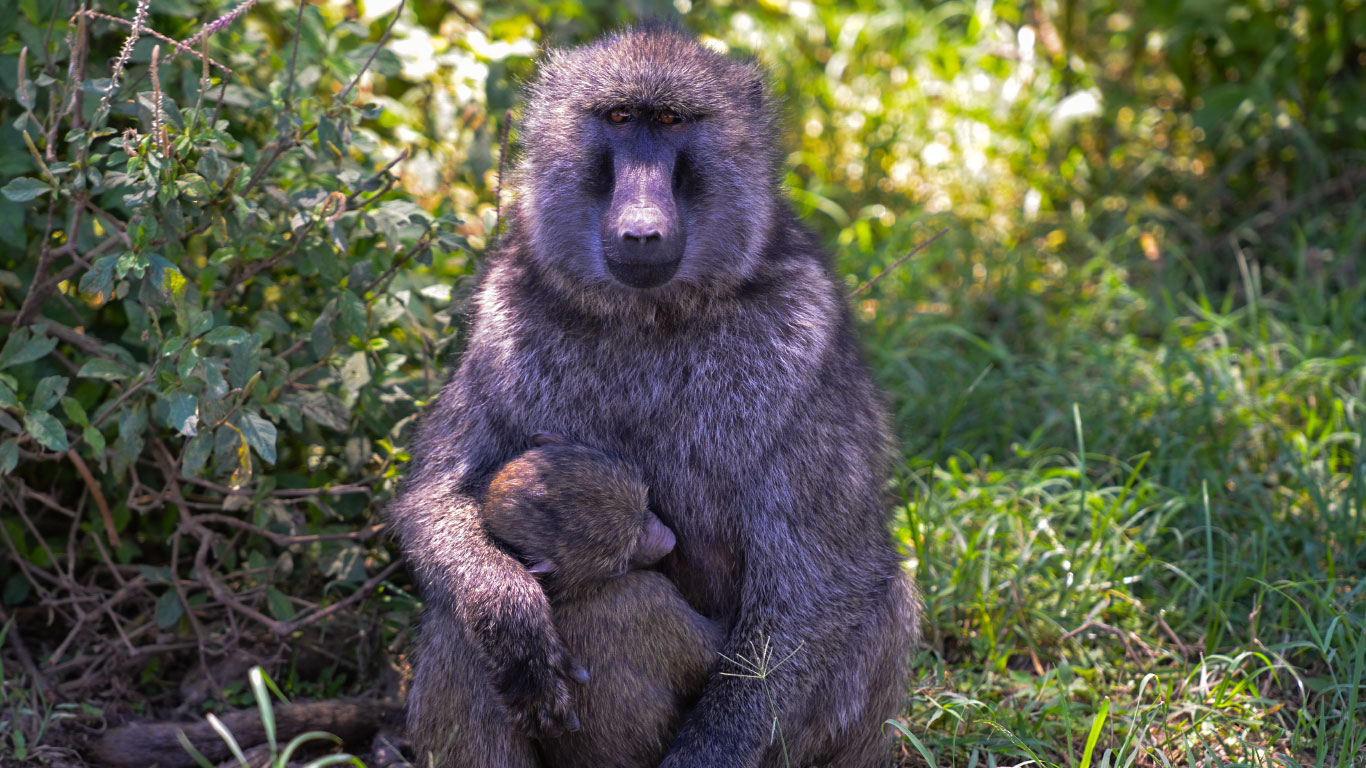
(694, 415)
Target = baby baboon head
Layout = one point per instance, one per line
(648, 166)
(574, 514)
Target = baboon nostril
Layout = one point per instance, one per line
(651, 236)
(641, 225)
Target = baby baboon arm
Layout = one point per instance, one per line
(464, 575)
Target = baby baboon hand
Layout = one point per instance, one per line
(534, 676)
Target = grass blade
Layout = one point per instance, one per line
(915, 742)
(228, 738)
(258, 689)
(1094, 736)
(196, 755)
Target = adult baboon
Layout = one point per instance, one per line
(654, 297)
(579, 519)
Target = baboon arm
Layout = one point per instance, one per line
(438, 519)
(796, 608)
(458, 566)
(465, 576)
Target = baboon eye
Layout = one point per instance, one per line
(669, 117)
(620, 115)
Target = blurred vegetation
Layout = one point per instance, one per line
(1128, 382)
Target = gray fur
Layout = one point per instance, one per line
(736, 388)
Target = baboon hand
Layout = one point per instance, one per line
(533, 677)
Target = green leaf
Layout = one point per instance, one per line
(95, 438)
(197, 453)
(48, 392)
(243, 360)
(99, 368)
(8, 399)
(24, 189)
(329, 138)
(321, 336)
(210, 166)
(345, 562)
(193, 188)
(355, 372)
(24, 346)
(46, 430)
(225, 334)
(9, 456)
(185, 413)
(279, 605)
(168, 610)
(16, 589)
(132, 428)
(260, 434)
(100, 277)
(352, 319)
(323, 408)
(12, 231)
(218, 386)
(189, 358)
(75, 412)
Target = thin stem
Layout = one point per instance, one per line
(384, 38)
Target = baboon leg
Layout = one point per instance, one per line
(455, 718)
(887, 635)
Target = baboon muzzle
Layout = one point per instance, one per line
(643, 238)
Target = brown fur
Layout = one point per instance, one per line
(583, 517)
(735, 387)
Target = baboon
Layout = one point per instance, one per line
(580, 520)
(654, 297)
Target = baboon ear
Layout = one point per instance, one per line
(541, 566)
(547, 438)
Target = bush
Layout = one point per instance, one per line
(217, 331)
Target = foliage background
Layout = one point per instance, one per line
(1128, 381)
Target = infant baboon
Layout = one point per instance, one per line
(579, 518)
(656, 297)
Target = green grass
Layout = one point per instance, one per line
(1139, 524)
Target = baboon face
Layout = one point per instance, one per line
(648, 165)
(574, 515)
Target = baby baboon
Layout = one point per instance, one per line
(580, 519)
(655, 296)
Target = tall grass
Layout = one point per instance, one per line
(1138, 521)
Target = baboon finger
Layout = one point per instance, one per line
(547, 438)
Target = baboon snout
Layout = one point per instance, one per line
(645, 249)
(642, 236)
(656, 541)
